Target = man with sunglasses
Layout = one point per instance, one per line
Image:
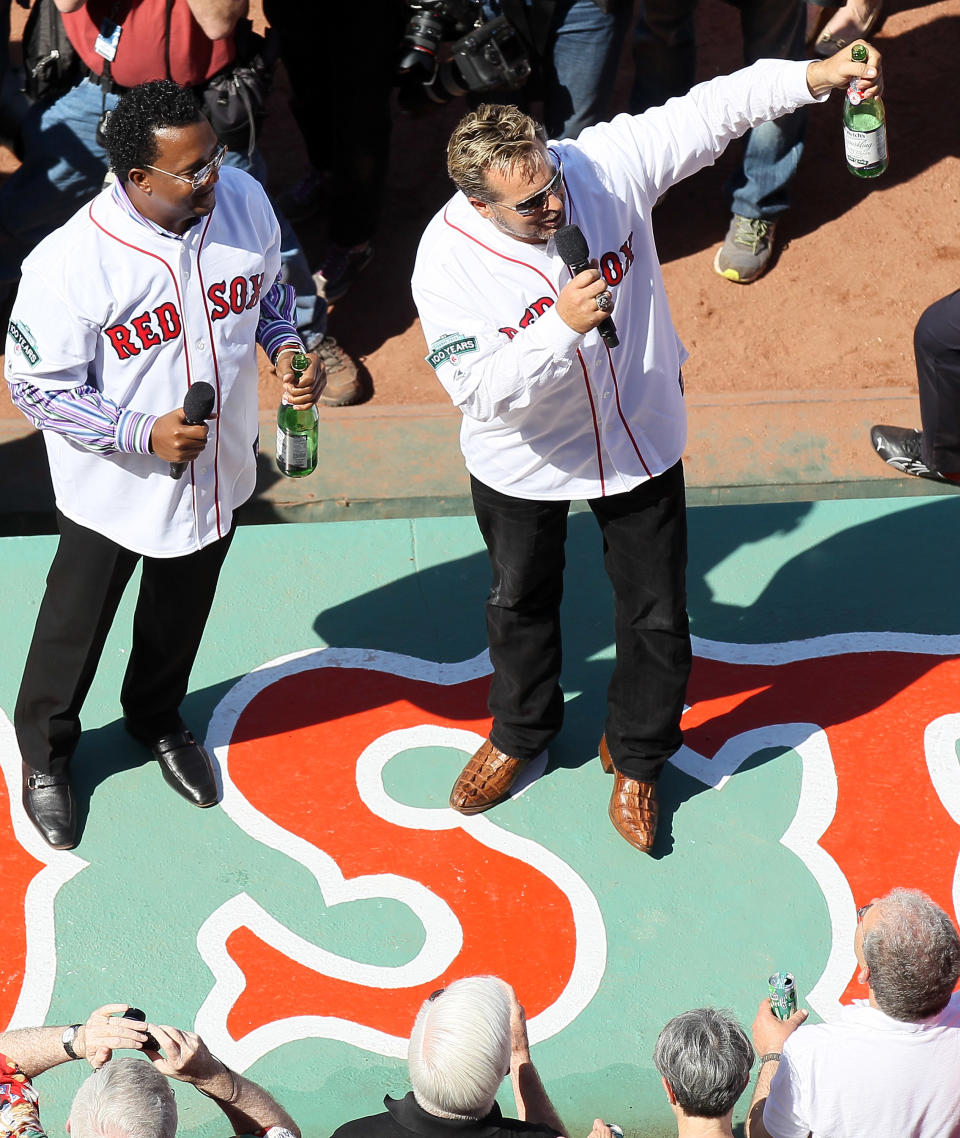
(169, 277)
(884, 1065)
(551, 413)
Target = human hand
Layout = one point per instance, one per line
(770, 1033)
(307, 391)
(577, 302)
(185, 1056)
(175, 440)
(600, 1129)
(519, 1043)
(107, 1031)
(837, 71)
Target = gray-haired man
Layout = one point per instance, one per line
(127, 1098)
(886, 1066)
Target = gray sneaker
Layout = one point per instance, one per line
(344, 385)
(746, 251)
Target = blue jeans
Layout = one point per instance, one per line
(579, 65)
(665, 52)
(64, 167)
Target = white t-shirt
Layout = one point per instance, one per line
(869, 1076)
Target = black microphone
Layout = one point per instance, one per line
(572, 247)
(197, 405)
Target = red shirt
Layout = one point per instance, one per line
(194, 57)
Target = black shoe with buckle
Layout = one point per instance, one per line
(48, 801)
(901, 448)
(184, 763)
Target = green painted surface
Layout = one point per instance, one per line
(704, 925)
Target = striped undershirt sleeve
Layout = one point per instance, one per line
(276, 328)
(87, 417)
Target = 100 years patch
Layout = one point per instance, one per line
(450, 348)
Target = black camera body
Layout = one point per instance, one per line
(489, 55)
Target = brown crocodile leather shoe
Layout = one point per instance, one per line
(485, 780)
(633, 805)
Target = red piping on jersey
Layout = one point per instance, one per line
(553, 289)
(216, 373)
(186, 353)
(616, 385)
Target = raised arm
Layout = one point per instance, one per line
(249, 1108)
(37, 1049)
(533, 1102)
(769, 1036)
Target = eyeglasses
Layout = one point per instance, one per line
(202, 176)
(537, 201)
(862, 912)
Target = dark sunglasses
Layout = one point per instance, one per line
(537, 201)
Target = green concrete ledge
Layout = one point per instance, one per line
(386, 462)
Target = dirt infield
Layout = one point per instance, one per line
(856, 262)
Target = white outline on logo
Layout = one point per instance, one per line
(444, 936)
(40, 962)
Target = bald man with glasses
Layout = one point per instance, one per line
(553, 410)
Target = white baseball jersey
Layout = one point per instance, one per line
(107, 301)
(549, 413)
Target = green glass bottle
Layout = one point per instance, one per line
(297, 431)
(864, 128)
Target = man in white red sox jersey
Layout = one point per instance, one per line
(550, 413)
(166, 278)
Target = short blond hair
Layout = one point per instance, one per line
(493, 137)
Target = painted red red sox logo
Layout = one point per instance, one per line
(872, 718)
(613, 266)
(152, 328)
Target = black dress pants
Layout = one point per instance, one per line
(645, 556)
(936, 345)
(84, 586)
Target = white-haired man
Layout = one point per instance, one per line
(554, 410)
(127, 1098)
(466, 1038)
(888, 1065)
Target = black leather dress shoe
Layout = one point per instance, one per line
(187, 768)
(48, 801)
(185, 764)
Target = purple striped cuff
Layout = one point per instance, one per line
(133, 432)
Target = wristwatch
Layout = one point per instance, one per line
(69, 1035)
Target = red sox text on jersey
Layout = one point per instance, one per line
(149, 329)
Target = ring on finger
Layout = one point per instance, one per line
(604, 301)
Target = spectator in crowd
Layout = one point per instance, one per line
(704, 1059)
(574, 47)
(347, 153)
(830, 29)
(64, 159)
(552, 413)
(664, 53)
(934, 451)
(127, 1098)
(465, 1039)
(886, 1066)
(169, 276)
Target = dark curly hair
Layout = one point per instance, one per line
(130, 134)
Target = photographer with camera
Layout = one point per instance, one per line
(563, 53)
(127, 1098)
